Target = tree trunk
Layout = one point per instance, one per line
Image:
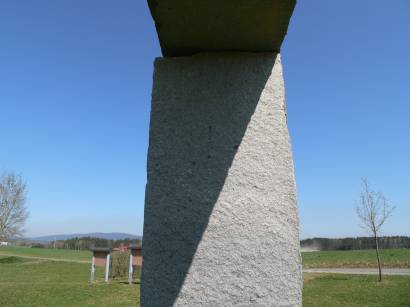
(376, 239)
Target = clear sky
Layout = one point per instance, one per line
(75, 86)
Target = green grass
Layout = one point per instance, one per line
(59, 254)
(12, 259)
(393, 258)
(355, 290)
(49, 283)
(37, 282)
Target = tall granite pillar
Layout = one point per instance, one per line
(221, 222)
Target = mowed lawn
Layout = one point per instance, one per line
(34, 282)
(59, 254)
(37, 282)
(355, 290)
(392, 258)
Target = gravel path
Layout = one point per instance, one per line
(361, 271)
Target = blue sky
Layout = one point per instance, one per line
(75, 86)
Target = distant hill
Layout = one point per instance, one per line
(101, 235)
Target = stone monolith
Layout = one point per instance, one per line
(221, 221)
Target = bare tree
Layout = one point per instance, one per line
(13, 211)
(373, 211)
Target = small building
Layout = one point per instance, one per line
(135, 260)
(136, 252)
(101, 257)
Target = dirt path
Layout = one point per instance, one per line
(361, 271)
(44, 258)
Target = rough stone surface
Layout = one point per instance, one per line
(221, 222)
(186, 27)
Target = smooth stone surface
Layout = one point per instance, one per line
(186, 27)
(221, 221)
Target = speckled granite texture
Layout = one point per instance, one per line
(221, 221)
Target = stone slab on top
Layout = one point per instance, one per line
(186, 27)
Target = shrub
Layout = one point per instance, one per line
(119, 265)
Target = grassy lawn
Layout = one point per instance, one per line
(36, 282)
(46, 283)
(59, 254)
(32, 282)
(355, 290)
(393, 258)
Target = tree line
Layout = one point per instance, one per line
(85, 243)
(356, 243)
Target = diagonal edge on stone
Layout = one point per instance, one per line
(220, 221)
(186, 27)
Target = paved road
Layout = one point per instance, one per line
(44, 258)
(361, 271)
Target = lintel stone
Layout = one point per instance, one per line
(186, 27)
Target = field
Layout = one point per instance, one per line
(355, 290)
(27, 279)
(36, 282)
(392, 258)
(44, 253)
